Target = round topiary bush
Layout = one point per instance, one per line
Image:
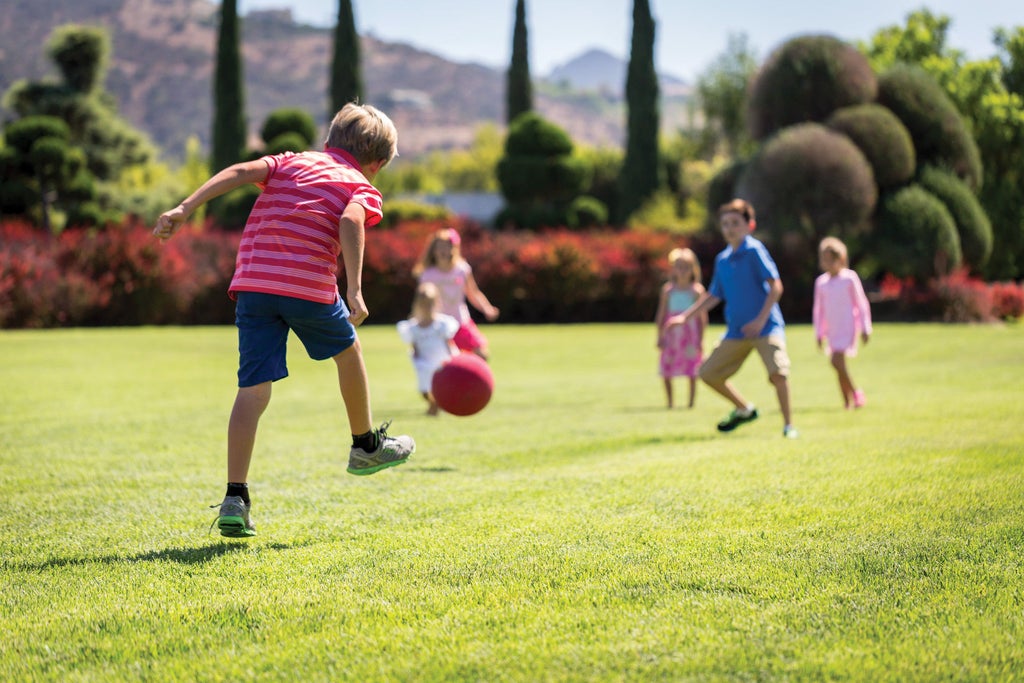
(286, 142)
(806, 79)
(938, 130)
(722, 189)
(972, 225)
(884, 140)
(915, 235)
(289, 120)
(810, 179)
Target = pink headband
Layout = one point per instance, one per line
(452, 236)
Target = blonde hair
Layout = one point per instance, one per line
(835, 248)
(365, 132)
(427, 293)
(429, 259)
(687, 256)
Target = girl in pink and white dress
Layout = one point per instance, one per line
(841, 313)
(442, 264)
(682, 346)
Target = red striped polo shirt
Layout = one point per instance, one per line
(290, 245)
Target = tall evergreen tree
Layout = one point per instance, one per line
(639, 176)
(229, 132)
(346, 79)
(519, 91)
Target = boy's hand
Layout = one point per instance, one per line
(357, 311)
(752, 330)
(674, 320)
(169, 222)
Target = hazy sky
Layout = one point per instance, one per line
(690, 34)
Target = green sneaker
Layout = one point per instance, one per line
(391, 451)
(736, 418)
(234, 520)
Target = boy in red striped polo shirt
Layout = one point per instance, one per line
(313, 207)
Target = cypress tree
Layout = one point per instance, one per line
(229, 132)
(639, 177)
(519, 92)
(346, 80)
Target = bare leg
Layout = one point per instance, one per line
(726, 389)
(693, 391)
(355, 388)
(432, 407)
(668, 392)
(250, 402)
(782, 390)
(845, 383)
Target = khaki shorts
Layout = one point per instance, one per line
(728, 356)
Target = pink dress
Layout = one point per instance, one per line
(841, 310)
(683, 348)
(452, 287)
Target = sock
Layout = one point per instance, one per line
(368, 441)
(240, 490)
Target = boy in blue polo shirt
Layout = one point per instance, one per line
(747, 279)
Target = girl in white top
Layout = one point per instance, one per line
(430, 334)
(442, 264)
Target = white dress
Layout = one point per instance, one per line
(430, 345)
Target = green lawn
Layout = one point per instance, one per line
(575, 530)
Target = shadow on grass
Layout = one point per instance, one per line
(190, 556)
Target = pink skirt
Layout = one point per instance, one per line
(469, 337)
(683, 350)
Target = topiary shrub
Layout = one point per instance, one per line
(286, 142)
(972, 225)
(915, 235)
(882, 138)
(289, 120)
(938, 130)
(722, 188)
(811, 180)
(586, 212)
(806, 79)
(539, 175)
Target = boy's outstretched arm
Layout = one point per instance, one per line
(230, 178)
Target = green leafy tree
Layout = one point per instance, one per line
(84, 189)
(722, 91)
(229, 131)
(640, 168)
(346, 73)
(989, 94)
(519, 90)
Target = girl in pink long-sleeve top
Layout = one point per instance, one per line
(841, 312)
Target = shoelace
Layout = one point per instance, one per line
(382, 431)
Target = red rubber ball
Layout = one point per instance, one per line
(463, 385)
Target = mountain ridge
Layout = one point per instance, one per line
(162, 59)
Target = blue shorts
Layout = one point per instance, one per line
(263, 321)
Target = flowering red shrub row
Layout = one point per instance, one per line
(124, 276)
(955, 298)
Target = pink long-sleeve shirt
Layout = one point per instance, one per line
(841, 310)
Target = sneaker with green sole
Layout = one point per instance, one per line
(391, 451)
(235, 518)
(736, 418)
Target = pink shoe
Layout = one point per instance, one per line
(859, 399)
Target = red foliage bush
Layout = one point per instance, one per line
(124, 276)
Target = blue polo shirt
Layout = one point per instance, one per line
(741, 280)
